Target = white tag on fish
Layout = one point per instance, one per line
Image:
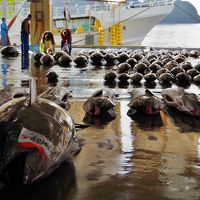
(29, 139)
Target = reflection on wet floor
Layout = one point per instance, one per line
(124, 158)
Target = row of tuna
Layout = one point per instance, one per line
(163, 65)
(144, 101)
(166, 66)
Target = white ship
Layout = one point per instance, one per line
(136, 19)
(121, 23)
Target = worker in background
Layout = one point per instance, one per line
(47, 44)
(25, 31)
(4, 33)
(66, 39)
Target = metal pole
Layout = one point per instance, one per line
(66, 9)
(90, 19)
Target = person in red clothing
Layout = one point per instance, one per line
(66, 39)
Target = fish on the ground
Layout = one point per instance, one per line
(9, 51)
(122, 57)
(100, 102)
(37, 56)
(110, 59)
(110, 76)
(65, 60)
(144, 101)
(183, 79)
(58, 95)
(96, 58)
(136, 77)
(37, 135)
(58, 54)
(52, 77)
(47, 60)
(123, 77)
(123, 68)
(197, 78)
(182, 100)
(80, 60)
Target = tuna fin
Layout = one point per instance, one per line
(33, 91)
(148, 92)
(181, 91)
(98, 93)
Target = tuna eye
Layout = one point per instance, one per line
(168, 98)
(99, 102)
(180, 103)
(65, 97)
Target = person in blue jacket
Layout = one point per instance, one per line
(4, 30)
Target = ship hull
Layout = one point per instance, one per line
(136, 23)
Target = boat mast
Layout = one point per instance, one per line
(66, 11)
(4, 8)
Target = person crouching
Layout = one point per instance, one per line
(47, 44)
(66, 39)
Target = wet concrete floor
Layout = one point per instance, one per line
(141, 158)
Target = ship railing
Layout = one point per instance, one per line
(96, 7)
(149, 3)
(74, 11)
(78, 11)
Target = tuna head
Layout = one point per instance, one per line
(182, 100)
(58, 95)
(100, 102)
(145, 101)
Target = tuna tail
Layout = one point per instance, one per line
(81, 126)
(33, 91)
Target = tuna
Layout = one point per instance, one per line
(9, 51)
(102, 101)
(144, 101)
(186, 102)
(58, 95)
(37, 135)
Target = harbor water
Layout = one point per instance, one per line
(174, 36)
(143, 158)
